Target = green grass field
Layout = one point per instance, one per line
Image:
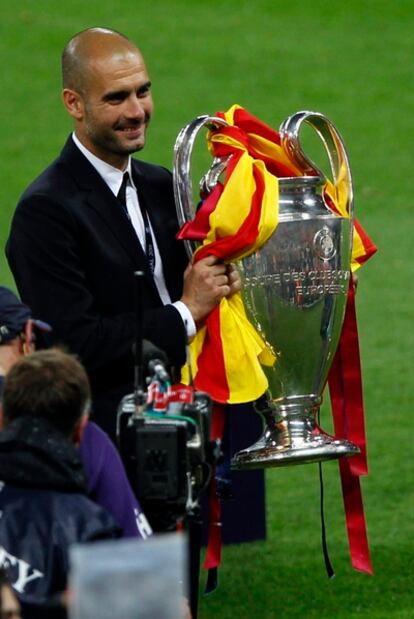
(353, 61)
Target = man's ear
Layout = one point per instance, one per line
(79, 430)
(73, 102)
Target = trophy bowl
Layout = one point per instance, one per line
(294, 291)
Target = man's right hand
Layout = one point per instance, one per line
(205, 283)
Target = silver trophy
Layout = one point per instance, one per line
(294, 290)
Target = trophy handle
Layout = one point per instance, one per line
(289, 133)
(334, 146)
(183, 189)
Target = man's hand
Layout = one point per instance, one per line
(234, 279)
(205, 283)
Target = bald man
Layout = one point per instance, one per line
(96, 215)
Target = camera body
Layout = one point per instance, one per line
(164, 442)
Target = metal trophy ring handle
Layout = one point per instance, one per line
(183, 188)
(332, 141)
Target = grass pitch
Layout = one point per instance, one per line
(354, 62)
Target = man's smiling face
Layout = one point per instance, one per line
(107, 91)
(117, 107)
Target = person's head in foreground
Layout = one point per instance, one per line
(52, 385)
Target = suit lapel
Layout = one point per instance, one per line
(98, 196)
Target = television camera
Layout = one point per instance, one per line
(163, 434)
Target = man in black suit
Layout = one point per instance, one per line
(84, 226)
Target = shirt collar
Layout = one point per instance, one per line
(112, 176)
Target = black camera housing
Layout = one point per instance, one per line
(167, 456)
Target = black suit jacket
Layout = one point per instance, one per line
(73, 252)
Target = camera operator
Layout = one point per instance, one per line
(43, 495)
(106, 479)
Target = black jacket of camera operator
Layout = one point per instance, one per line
(44, 509)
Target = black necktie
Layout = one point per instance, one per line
(149, 244)
(121, 195)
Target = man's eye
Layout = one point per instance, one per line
(115, 98)
(144, 91)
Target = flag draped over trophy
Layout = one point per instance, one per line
(234, 221)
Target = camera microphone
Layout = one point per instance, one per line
(155, 360)
(157, 369)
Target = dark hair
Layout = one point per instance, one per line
(51, 384)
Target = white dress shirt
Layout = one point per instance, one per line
(113, 178)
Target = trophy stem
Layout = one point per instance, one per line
(291, 436)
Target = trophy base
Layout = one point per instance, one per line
(294, 439)
(265, 455)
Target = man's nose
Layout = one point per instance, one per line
(135, 108)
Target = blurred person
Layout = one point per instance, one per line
(16, 331)
(108, 484)
(43, 494)
(96, 216)
(9, 604)
(106, 478)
